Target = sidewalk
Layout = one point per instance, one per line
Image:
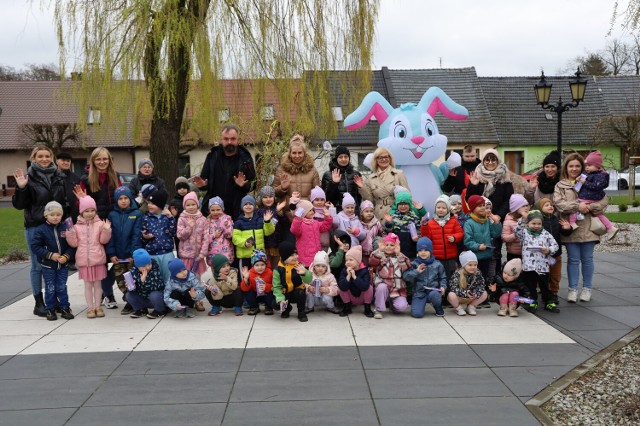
(263, 370)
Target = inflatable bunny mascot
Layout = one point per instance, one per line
(410, 133)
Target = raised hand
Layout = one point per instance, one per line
(564, 224)
(240, 179)
(533, 181)
(21, 178)
(106, 225)
(192, 293)
(281, 205)
(285, 181)
(199, 182)
(388, 217)
(474, 179)
(300, 269)
(339, 243)
(417, 204)
(453, 172)
(79, 192)
(335, 175)
(267, 215)
(421, 267)
(358, 180)
(245, 273)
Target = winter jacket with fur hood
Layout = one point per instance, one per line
(304, 177)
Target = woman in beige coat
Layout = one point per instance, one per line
(581, 243)
(296, 172)
(379, 186)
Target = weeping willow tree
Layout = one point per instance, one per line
(160, 69)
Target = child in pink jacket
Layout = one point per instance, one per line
(89, 235)
(307, 231)
(518, 207)
(372, 227)
(192, 233)
(326, 283)
(220, 231)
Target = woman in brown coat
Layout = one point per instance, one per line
(378, 188)
(296, 172)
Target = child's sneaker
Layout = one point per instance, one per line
(254, 311)
(215, 310)
(66, 314)
(585, 295)
(471, 310)
(502, 312)
(552, 307)
(439, 312)
(110, 302)
(531, 308)
(136, 314)
(181, 313)
(238, 311)
(100, 312)
(333, 310)
(128, 309)
(154, 315)
(572, 296)
(611, 233)
(303, 317)
(287, 311)
(51, 315)
(191, 313)
(309, 310)
(460, 311)
(91, 313)
(268, 310)
(513, 311)
(378, 315)
(485, 304)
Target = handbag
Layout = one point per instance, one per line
(597, 227)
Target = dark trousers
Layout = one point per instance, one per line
(533, 280)
(253, 299)
(55, 288)
(297, 297)
(183, 297)
(229, 301)
(155, 300)
(107, 282)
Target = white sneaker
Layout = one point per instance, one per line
(378, 315)
(460, 311)
(572, 296)
(471, 310)
(585, 295)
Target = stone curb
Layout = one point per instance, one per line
(534, 405)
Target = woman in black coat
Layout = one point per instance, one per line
(492, 179)
(42, 183)
(339, 179)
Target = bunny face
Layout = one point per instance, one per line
(411, 135)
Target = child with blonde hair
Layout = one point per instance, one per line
(324, 287)
(467, 286)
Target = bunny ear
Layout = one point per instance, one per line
(374, 104)
(435, 100)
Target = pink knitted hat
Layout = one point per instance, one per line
(594, 158)
(356, 253)
(190, 196)
(391, 238)
(87, 202)
(366, 204)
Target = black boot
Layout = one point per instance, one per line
(367, 310)
(51, 315)
(67, 314)
(39, 309)
(346, 309)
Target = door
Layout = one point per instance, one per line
(514, 161)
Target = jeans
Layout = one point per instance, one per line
(580, 253)
(253, 300)
(419, 303)
(36, 270)
(55, 288)
(137, 302)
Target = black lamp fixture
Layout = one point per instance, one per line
(542, 90)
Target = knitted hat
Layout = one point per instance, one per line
(63, 156)
(398, 189)
(403, 197)
(342, 150)
(342, 236)
(455, 198)
(158, 198)
(182, 185)
(259, 256)
(306, 207)
(248, 199)
(141, 258)
(594, 158)
(534, 214)
(489, 152)
(475, 201)
(52, 207)
(181, 179)
(513, 267)
(321, 258)
(266, 191)
(466, 257)
(175, 267)
(217, 201)
(147, 189)
(217, 262)
(347, 200)
(190, 196)
(516, 201)
(122, 190)
(391, 238)
(552, 158)
(355, 252)
(454, 160)
(424, 243)
(144, 162)
(366, 204)
(443, 199)
(541, 202)
(316, 193)
(87, 202)
(286, 249)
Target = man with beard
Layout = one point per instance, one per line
(228, 172)
(63, 161)
(458, 178)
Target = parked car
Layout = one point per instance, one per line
(623, 178)
(530, 173)
(126, 177)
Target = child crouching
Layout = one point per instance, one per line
(148, 287)
(324, 285)
(289, 281)
(388, 264)
(183, 290)
(467, 285)
(257, 284)
(429, 280)
(355, 283)
(223, 290)
(509, 287)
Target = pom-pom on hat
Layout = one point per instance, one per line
(217, 201)
(248, 199)
(594, 158)
(52, 207)
(141, 258)
(316, 193)
(190, 196)
(466, 257)
(286, 249)
(424, 243)
(348, 200)
(552, 158)
(144, 162)
(516, 201)
(475, 201)
(355, 252)
(175, 267)
(391, 238)
(85, 203)
(258, 256)
(513, 268)
(158, 198)
(147, 189)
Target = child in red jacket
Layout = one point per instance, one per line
(257, 284)
(445, 232)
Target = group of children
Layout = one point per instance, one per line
(405, 261)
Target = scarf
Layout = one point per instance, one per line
(442, 220)
(534, 233)
(45, 173)
(478, 219)
(499, 175)
(428, 261)
(547, 185)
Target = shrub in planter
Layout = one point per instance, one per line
(623, 207)
(635, 203)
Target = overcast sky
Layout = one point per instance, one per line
(497, 37)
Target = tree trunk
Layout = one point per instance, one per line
(164, 145)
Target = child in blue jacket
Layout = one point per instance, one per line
(126, 237)
(183, 290)
(49, 244)
(429, 280)
(158, 231)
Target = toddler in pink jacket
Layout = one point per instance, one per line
(323, 287)
(192, 233)
(220, 231)
(307, 231)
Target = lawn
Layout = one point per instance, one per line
(621, 199)
(626, 217)
(12, 230)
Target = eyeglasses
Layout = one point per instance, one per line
(490, 160)
(383, 157)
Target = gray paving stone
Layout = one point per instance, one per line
(307, 413)
(618, 279)
(631, 295)
(628, 315)
(611, 267)
(477, 411)
(532, 355)
(50, 417)
(292, 359)
(597, 340)
(437, 356)
(180, 362)
(157, 415)
(435, 383)
(261, 386)
(46, 393)
(599, 297)
(576, 317)
(527, 381)
(4, 359)
(61, 365)
(164, 389)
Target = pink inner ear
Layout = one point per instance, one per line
(438, 105)
(376, 111)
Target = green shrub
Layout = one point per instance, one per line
(16, 254)
(635, 203)
(623, 207)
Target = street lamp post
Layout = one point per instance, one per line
(542, 90)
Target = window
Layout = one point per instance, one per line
(94, 116)
(267, 112)
(78, 165)
(184, 166)
(224, 115)
(337, 113)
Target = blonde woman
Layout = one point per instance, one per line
(379, 186)
(296, 172)
(42, 183)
